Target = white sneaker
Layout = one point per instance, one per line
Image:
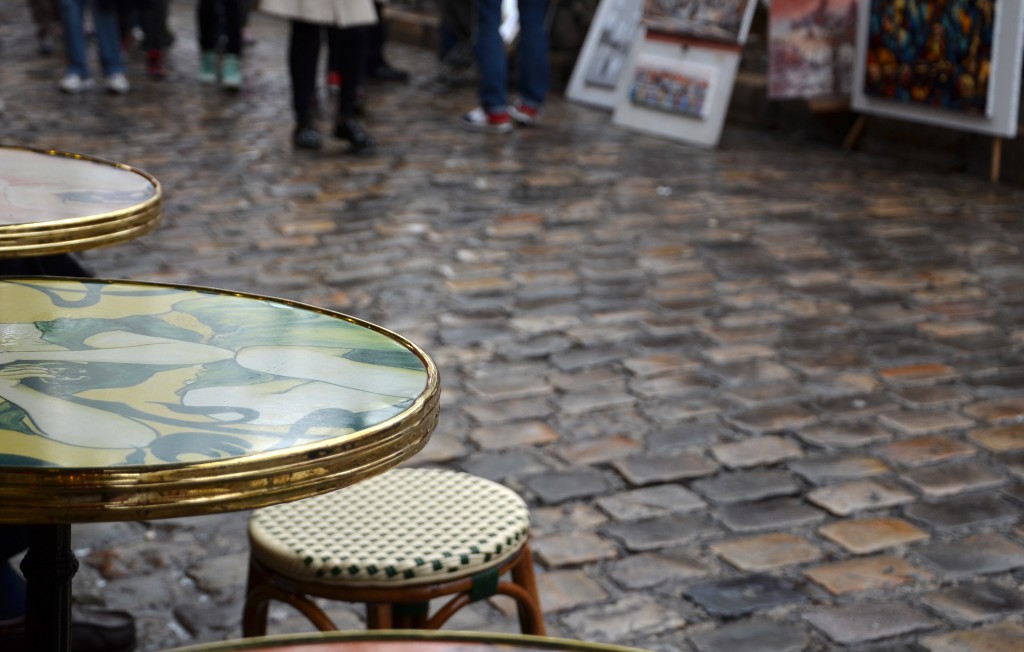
(118, 83)
(73, 83)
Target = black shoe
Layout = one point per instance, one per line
(353, 132)
(306, 137)
(102, 630)
(386, 72)
(92, 630)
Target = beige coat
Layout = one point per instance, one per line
(340, 13)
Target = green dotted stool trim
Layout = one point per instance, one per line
(406, 526)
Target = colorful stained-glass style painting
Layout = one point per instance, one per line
(936, 53)
(669, 86)
(726, 20)
(109, 374)
(811, 48)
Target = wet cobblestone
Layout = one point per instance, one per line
(767, 394)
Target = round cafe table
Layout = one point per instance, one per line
(405, 641)
(133, 401)
(54, 202)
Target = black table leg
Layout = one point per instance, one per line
(48, 566)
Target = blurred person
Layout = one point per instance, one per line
(92, 630)
(377, 66)
(156, 36)
(46, 17)
(108, 39)
(345, 23)
(220, 20)
(495, 114)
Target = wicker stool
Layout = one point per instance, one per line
(393, 542)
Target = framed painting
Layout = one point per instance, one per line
(812, 46)
(603, 56)
(724, 20)
(677, 88)
(951, 63)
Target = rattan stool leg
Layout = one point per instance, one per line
(379, 616)
(254, 610)
(531, 618)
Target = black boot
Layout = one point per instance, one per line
(349, 129)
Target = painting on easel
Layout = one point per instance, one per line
(934, 53)
(811, 48)
(723, 20)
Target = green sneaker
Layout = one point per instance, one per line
(208, 68)
(231, 73)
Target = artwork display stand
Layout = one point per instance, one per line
(710, 66)
(602, 59)
(995, 161)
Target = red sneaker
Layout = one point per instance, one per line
(479, 119)
(524, 114)
(155, 64)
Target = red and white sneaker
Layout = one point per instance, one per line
(524, 114)
(479, 119)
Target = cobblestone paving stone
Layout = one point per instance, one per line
(767, 396)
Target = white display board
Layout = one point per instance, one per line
(677, 88)
(604, 53)
(1001, 108)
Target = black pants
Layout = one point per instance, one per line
(216, 18)
(347, 50)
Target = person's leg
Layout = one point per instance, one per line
(74, 37)
(303, 55)
(491, 57)
(108, 37)
(13, 539)
(349, 44)
(534, 69)
(231, 68)
(377, 66)
(154, 26)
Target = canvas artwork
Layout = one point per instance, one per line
(603, 57)
(727, 20)
(811, 48)
(674, 87)
(935, 53)
(613, 42)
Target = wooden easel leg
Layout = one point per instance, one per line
(997, 159)
(855, 131)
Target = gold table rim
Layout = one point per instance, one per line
(43, 238)
(137, 492)
(550, 643)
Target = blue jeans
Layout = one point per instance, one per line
(108, 37)
(532, 53)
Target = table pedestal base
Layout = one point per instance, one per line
(49, 566)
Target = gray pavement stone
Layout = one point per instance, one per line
(752, 635)
(845, 499)
(767, 551)
(976, 602)
(756, 451)
(844, 435)
(572, 549)
(649, 502)
(952, 479)
(628, 617)
(661, 532)
(983, 554)
(878, 573)
(650, 569)
(866, 535)
(773, 514)
(864, 623)
(559, 486)
(640, 470)
(963, 512)
(827, 469)
(1000, 637)
(746, 486)
(744, 595)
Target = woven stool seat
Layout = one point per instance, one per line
(394, 542)
(405, 526)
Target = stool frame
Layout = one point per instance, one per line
(404, 606)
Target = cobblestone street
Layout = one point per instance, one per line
(763, 397)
